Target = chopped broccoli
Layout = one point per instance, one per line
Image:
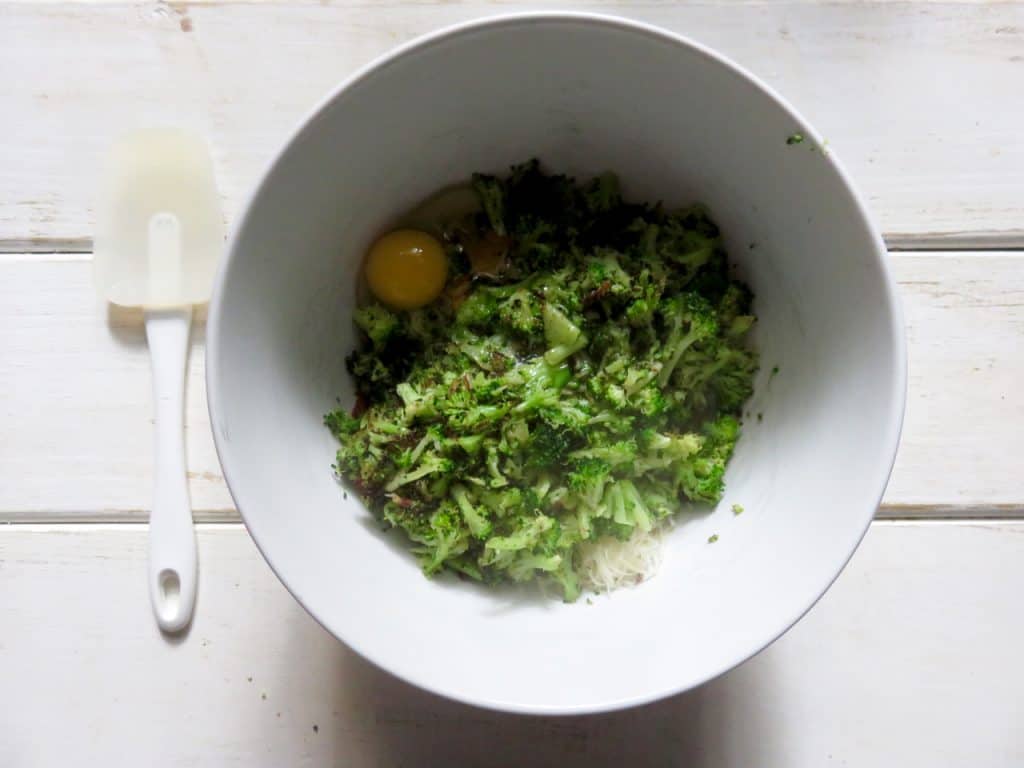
(690, 319)
(474, 515)
(489, 190)
(587, 481)
(376, 322)
(589, 388)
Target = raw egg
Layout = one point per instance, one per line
(406, 269)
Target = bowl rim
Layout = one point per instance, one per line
(889, 442)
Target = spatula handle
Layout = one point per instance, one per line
(172, 540)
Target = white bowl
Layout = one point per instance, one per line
(678, 123)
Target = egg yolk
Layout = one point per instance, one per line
(406, 269)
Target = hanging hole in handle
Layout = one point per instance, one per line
(170, 594)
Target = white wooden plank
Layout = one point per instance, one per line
(912, 659)
(77, 407)
(961, 442)
(916, 97)
(77, 426)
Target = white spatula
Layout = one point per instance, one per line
(159, 234)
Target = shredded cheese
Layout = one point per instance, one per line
(607, 564)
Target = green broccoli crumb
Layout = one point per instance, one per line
(795, 138)
(712, 538)
(737, 509)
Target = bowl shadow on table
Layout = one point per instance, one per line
(379, 720)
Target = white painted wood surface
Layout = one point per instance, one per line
(912, 660)
(80, 445)
(921, 100)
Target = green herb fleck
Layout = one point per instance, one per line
(712, 538)
(737, 509)
(795, 138)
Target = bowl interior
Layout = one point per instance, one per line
(677, 124)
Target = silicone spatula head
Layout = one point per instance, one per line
(159, 226)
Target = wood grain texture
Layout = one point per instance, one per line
(961, 443)
(77, 406)
(918, 98)
(77, 410)
(912, 659)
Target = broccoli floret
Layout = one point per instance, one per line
(701, 478)
(564, 337)
(476, 516)
(639, 312)
(660, 451)
(620, 454)
(370, 373)
(490, 193)
(537, 385)
(449, 539)
(525, 566)
(634, 509)
(521, 313)
(490, 353)
(567, 579)
(417, 404)
(548, 446)
(502, 502)
(439, 537)
(688, 249)
(723, 432)
(733, 381)
(341, 423)
(602, 194)
(479, 309)
(534, 248)
(735, 303)
(377, 370)
(649, 401)
(588, 479)
(376, 322)
(503, 549)
(605, 276)
(428, 464)
(689, 318)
